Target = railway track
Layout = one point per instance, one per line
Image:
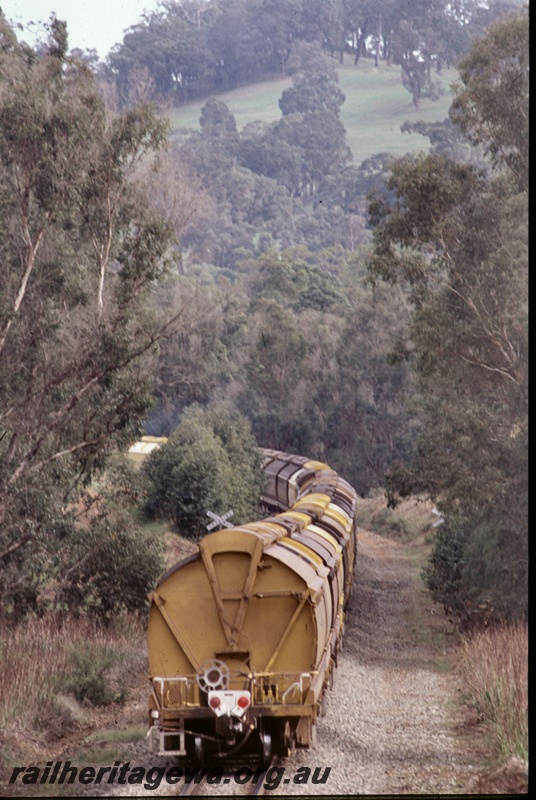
(253, 788)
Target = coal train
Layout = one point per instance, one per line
(243, 636)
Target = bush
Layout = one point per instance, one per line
(123, 484)
(88, 679)
(36, 658)
(210, 463)
(443, 574)
(389, 523)
(112, 566)
(410, 519)
(478, 568)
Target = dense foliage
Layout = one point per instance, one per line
(80, 250)
(457, 237)
(210, 463)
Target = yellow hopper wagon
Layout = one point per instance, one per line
(243, 635)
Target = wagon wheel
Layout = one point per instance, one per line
(213, 676)
(287, 742)
(199, 750)
(266, 741)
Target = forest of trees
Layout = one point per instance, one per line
(196, 48)
(224, 284)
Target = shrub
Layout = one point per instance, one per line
(443, 574)
(392, 524)
(210, 463)
(88, 678)
(36, 659)
(112, 566)
(123, 484)
(479, 566)
(410, 519)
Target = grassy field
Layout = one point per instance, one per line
(376, 106)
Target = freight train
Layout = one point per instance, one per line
(243, 636)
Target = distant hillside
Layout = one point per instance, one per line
(376, 106)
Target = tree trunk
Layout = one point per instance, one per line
(361, 41)
(378, 42)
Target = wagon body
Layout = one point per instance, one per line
(243, 636)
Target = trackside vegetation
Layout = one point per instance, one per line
(46, 662)
(494, 669)
(80, 252)
(210, 463)
(455, 235)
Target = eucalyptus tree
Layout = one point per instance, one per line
(314, 82)
(171, 45)
(280, 22)
(491, 100)
(456, 236)
(79, 253)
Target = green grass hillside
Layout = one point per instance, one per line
(376, 106)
